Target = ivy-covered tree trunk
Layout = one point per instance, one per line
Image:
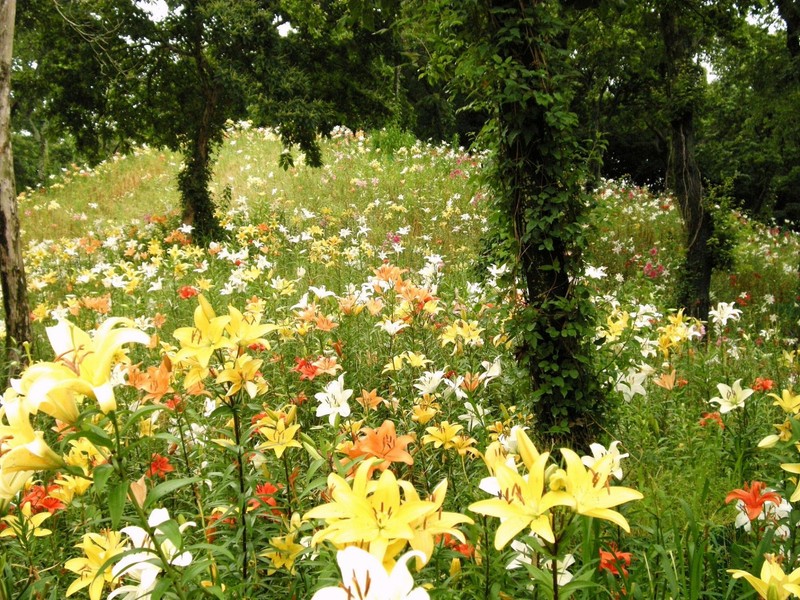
(538, 183)
(194, 178)
(12, 268)
(193, 183)
(683, 83)
(684, 179)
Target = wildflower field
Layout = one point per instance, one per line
(326, 405)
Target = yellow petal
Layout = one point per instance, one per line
(36, 455)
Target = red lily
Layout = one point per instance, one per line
(614, 561)
(753, 497)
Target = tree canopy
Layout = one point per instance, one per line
(117, 76)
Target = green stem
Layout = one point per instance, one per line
(242, 485)
(290, 495)
(195, 488)
(170, 570)
(487, 551)
(118, 467)
(554, 569)
(554, 553)
(464, 466)
(33, 574)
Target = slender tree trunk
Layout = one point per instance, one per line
(194, 179)
(44, 153)
(684, 180)
(683, 78)
(12, 270)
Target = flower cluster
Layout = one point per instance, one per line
(526, 501)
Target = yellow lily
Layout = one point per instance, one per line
(42, 383)
(434, 524)
(207, 335)
(241, 375)
(24, 450)
(82, 366)
(285, 549)
(443, 434)
(279, 438)
(522, 502)
(11, 484)
(26, 524)
(793, 468)
(773, 583)
(591, 489)
(370, 513)
(788, 401)
(93, 568)
(245, 330)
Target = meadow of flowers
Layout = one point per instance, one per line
(326, 404)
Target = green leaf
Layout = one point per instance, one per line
(215, 549)
(139, 415)
(314, 467)
(167, 487)
(286, 160)
(575, 585)
(163, 586)
(312, 451)
(100, 476)
(313, 486)
(168, 437)
(544, 578)
(116, 502)
(172, 532)
(222, 409)
(94, 434)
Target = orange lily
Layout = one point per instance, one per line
(383, 443)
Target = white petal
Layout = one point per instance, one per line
(357, 566)
(137, 535)
(331, 593)
(157, 517)
(400, 580)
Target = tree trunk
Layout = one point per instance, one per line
(538, 177)
(684, 180)
(790, 13)
(44, 153)
(194, 179)
(683, 85)
(193, 182)
(12, 271)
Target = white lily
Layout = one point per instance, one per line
(722, 313)
(140, 565)
(731, 397)
(365, 578)
(333, 400)
(599, 451)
